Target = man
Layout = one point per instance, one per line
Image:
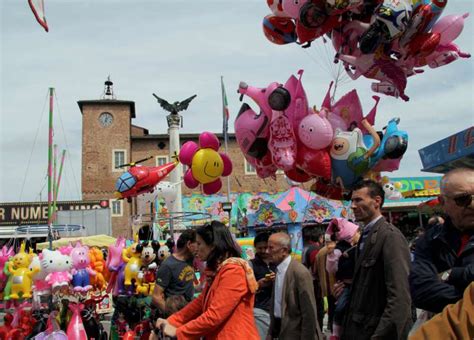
(434, 220)
(293, 309)
(380, 304)
(265, 276)
(175, 275)
(443, 263)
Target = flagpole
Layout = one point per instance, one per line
(50, 170)
(225, 127)
(55, 173)
(57, 185)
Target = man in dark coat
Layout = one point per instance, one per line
(444, 257)
(380, 303)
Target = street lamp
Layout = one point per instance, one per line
(227, 207)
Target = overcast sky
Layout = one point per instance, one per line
(176, 49)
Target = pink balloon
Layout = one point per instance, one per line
(337, 122)
(258, 95)
(187, 152)
(114, 259)
(282, 144)
(450, 27)
(75, 329)
(298, 108)
(189, 179)
(315, 131)
(213, 187)
(209, 140)
(227, 164)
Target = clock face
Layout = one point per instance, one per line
(106, 119)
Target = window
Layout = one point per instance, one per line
(249, 168)
(161, 160)
(117, 208)
(119, 157)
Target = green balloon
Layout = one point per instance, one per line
(357, 162)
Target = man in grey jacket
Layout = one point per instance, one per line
(380, 303)
(293, 313)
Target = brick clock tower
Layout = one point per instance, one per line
(106, 144)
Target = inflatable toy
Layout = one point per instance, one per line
(81, 270)
(206, 164)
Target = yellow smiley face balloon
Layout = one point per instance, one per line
(207, 165)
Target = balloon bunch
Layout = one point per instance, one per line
(385, 40)
(336, 145)
(206, 164)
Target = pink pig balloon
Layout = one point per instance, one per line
(315, 131)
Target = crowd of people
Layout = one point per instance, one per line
(365, 271)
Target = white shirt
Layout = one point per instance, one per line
(280, 278)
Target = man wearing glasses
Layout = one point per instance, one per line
(444, 258)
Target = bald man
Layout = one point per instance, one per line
(293, 309)
(444, 257)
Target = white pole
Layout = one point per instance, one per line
(174, 122)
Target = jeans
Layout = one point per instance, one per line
(262, 321)
(341, 306)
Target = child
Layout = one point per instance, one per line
(341, 262)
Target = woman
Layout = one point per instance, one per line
(224, 310)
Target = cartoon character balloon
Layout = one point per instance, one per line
(206, 164)
(58, 267)
(82, 269)
(21, 275)
(5, 254)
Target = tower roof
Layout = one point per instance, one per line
(104, 102)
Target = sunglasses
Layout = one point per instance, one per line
(462, 200)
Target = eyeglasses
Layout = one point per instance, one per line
(462, 200)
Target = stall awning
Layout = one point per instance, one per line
(91, 241)
(452, 152)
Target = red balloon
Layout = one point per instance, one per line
(298, 175)
(327, 189)
(423, 44)
(316, 163)
(130, 335)
(279, 30)
(309, 34)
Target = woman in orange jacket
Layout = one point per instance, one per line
(224, 310)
